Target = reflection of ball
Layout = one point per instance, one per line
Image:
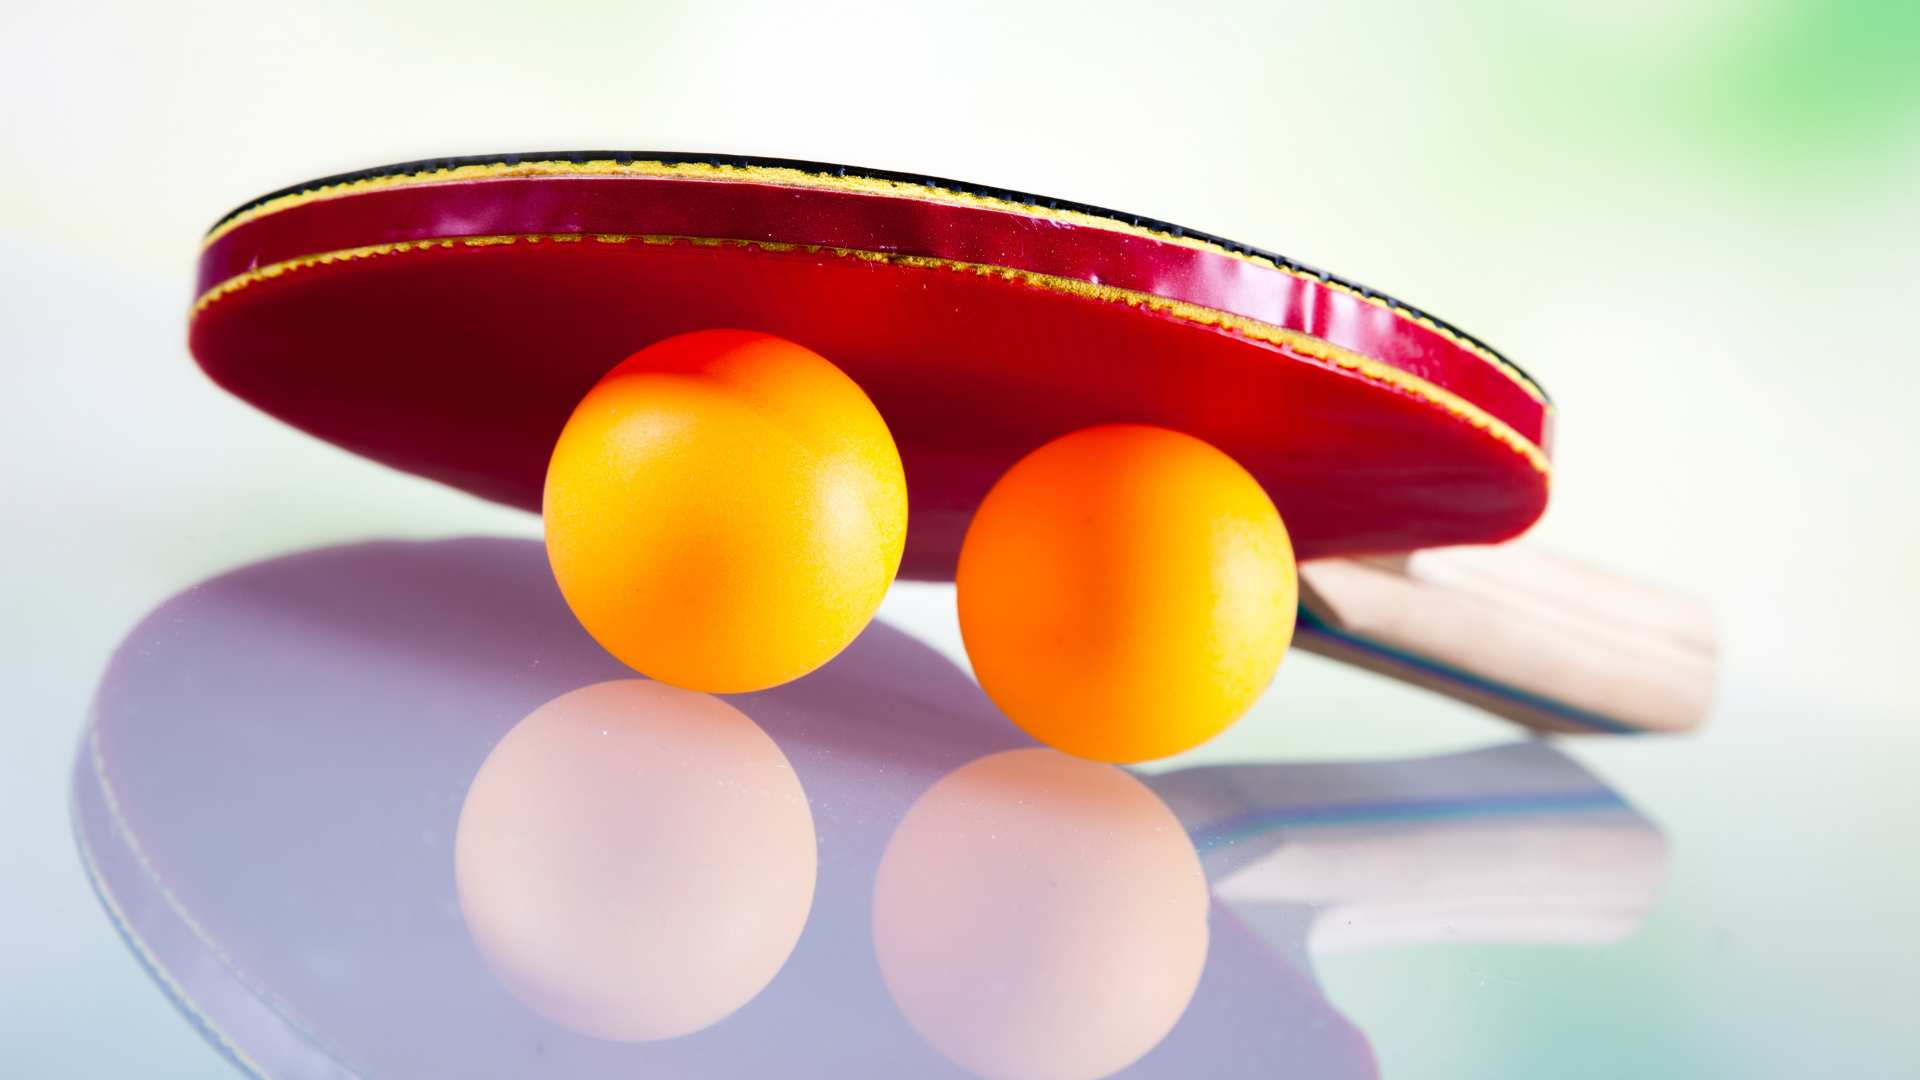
(635, 861)
(1038, 915)
(1126, 592)
(725, 510)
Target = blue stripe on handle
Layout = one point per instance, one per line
(1591, 721)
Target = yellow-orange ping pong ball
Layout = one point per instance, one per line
(1126, 592)
(724, 511)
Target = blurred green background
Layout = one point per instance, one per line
(1694, 222)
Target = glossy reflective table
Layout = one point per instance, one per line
(383, 810)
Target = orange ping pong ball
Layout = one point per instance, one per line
(1126, 592)
(724, 511)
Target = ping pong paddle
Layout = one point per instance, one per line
(444, 317)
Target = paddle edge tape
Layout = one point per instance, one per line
(1294, 341)
(821, 175)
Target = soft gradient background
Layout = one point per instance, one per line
(1695, 222)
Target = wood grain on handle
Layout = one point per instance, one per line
(1545, 641)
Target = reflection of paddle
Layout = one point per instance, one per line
(1513, 843)
(273, 781)
(445, 317)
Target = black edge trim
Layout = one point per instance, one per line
(626, 157)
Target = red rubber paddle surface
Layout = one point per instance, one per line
(444, 319)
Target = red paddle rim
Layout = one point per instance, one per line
(802, 173)
(1020, 244)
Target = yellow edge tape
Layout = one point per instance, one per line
(1294, 340)
(869, 185)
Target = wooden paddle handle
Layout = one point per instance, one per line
(1544, 641)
